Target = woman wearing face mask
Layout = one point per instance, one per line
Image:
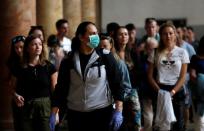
(87, 82)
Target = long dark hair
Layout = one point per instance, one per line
(81, 30)
(14, 59)
(115, 37)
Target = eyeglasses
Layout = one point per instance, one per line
(17, 39)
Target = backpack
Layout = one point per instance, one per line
(67, 64)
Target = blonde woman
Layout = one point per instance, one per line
(171, 64)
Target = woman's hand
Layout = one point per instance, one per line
(19, 100)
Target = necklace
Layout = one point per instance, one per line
(168, 55)
(168, 52)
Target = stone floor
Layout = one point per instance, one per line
(190, 127)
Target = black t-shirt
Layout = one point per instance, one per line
(84, 59)
(15, 67)
(35, 81)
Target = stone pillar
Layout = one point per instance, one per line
(98, 15)
(48, 12)
(72, 12)
(89, 10)
(16, 18)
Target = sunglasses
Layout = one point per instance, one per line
(17, 39)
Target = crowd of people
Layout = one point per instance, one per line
(111, 81)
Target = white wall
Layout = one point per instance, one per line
(135, 11)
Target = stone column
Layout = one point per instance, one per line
(16, 18)
(98, 15)
(89, 10)
(72, 12)
(48, 12)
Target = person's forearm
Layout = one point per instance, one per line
(178, 85)
(118, 105)
(193, 75)
(53, 81)
(155, 86)
(181, 79)
(54, 110)
(151, 80)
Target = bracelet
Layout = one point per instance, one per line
(173, 91)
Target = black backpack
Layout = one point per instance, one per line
(112, 73)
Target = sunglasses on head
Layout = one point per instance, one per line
(17, 39)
